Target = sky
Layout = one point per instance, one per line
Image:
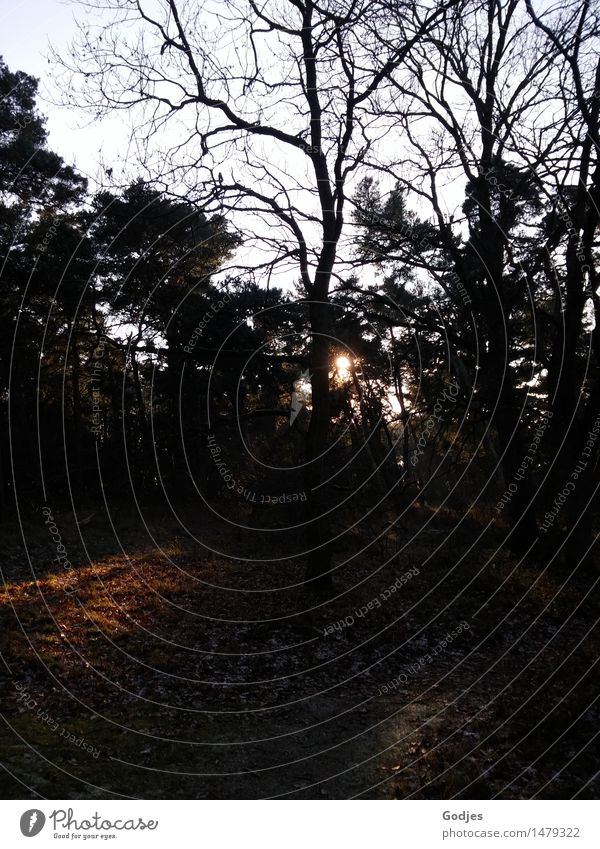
(28, 27)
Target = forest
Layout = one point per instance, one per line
(300, 405)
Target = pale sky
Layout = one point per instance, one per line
(28, 27)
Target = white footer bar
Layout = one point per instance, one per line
(301, 824)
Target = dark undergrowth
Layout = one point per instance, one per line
(442, 667)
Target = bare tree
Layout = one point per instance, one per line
(474, 89)
(264, 109)
(569, 174)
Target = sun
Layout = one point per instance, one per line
(343, 367)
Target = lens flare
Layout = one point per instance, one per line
(343, 367)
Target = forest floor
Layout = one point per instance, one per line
(173, 672)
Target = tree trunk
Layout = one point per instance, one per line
(581, 505)
(496, 305)
(318, 571)
(3, 475)
(147, 443)
(178, 477)
(520, 509)
(77, 430)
